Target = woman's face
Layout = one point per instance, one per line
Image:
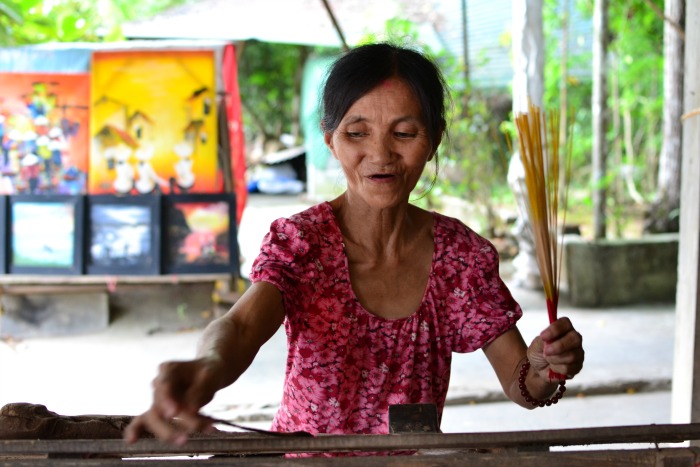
(382, 144)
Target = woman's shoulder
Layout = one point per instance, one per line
(312, 228)
(316, 215)
(453, 225)
(452, 233)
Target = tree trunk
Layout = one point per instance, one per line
(465, 42)
(298, 76)
(600, 115)
(663, 213)
(465, 59)
(564, 77)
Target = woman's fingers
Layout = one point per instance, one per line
(134, 430)
(171, 430)
(559, 348)
(151, 422)
(179, 390)
(557, 329)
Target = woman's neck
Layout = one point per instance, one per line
(378, 232)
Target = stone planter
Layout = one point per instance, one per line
(621, 272)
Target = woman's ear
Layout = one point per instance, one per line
(328, 139)
(435, 149)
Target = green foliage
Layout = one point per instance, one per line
(267, 86)
(10, 19)
(398, 31)
(635, 81)
(39, 21)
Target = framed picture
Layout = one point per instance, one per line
(45, 234)
(199, 233)
(3, 234)
(122, 234)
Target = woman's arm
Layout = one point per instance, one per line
(558, 348)
(226, 349)
(234, 339)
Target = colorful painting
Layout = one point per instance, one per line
(34, 248)
(200, 233)
(153, 122)
(44, 132)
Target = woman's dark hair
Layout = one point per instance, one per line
(363, 68)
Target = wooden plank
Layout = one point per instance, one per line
(672, 457)
(27, 279)
(246, 443)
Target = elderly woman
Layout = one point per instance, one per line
(375, 293)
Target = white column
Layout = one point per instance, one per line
(685, 399)
(528, 84)
(528, 54)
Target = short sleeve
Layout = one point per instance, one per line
(300, 256)
(281, 261)
(479, 306)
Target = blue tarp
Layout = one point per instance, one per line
(53, 58)
(75, 57)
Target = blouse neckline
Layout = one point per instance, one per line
(346, 272)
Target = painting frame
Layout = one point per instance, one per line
(27, 213)
(46, 140)
(222, 253)
(158, 133)
(122, 235)
(3, 233)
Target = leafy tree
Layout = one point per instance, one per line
(635, 80)
(270, 83)
(663, 214)
(10, 17)
(38, 21)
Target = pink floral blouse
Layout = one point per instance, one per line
(346, 366)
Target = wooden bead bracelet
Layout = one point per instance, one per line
(526, 394)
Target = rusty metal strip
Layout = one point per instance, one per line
(235, 443)
(676, 457)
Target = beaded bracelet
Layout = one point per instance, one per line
(526, 394)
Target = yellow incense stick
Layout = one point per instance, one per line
(539, 151)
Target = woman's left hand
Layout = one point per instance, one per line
(558, 349)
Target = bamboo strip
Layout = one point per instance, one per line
(246, 443)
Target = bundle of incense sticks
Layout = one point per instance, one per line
(539, 150)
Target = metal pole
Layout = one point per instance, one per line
(336, 25)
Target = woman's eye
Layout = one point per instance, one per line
(354, 134)
(401, 134)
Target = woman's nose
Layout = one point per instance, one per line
(381, 150)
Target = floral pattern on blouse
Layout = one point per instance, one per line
(346, 366)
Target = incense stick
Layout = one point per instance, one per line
(539, 151)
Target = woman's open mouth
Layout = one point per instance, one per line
(380, 177)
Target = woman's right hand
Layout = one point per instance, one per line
(180, 390)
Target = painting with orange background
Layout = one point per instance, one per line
(44, 133)
(153, 122)
(200, 233)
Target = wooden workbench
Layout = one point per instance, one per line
(524, 449)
